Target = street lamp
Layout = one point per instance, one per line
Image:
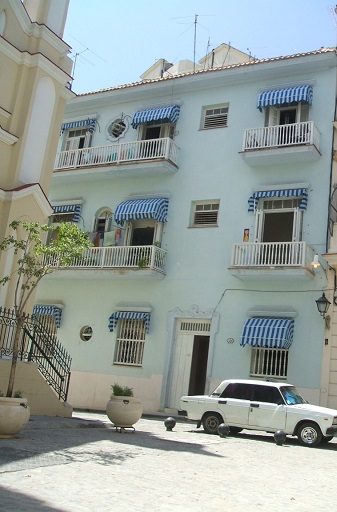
(323, 305)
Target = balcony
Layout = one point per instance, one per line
(126, 261)
(282, 144)
(143, 157)
(272, 261)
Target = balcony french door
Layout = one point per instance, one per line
(277, 227)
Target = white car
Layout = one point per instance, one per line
(261, 405)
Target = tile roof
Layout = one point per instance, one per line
(211, 70)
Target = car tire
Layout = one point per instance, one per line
(309, 434)
(211, 422)
(235, 430)
(326, 439)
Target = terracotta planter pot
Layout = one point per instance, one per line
(124, 411)
(14, 416)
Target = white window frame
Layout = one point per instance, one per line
(282, 205)
(139, 223)
(166, 129)
(74, 136)
(269, 362)
(130, 342)
(203, 207)
(214, 116)
(273, 113)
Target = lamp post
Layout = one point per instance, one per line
(323, 305)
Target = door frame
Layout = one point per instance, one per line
(191, 314)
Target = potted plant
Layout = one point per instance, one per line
(123, 409)
(33, 260)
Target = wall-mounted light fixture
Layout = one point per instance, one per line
(323, 305)
(315, 263)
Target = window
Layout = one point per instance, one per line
(267, 394)
(86, 333)
(287, 114)
(117, 128)
(238, 390)
(102, 225)
(205, 214)
(269, 362)
(156, 130)
(130, 342)
(279, 221)
(77, 139)
(216, 117)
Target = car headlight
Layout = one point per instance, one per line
(334, 422)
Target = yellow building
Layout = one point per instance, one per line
(34, 76)
(34, 87)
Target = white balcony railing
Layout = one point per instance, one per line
(142, 150)
(281, 136)
(138, 256)
(272, 254)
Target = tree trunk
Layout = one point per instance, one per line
(10, 388)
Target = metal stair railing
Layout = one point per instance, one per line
(37, 344)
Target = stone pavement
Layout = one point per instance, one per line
(83, 464)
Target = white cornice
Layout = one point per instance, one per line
(281, 186)
(65, 202)
(32, 190)
(7, 138)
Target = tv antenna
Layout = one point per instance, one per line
(333, 11)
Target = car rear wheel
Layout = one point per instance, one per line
(211, 422)
(309, 434)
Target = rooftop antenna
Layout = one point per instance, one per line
(333, 11)
(195, 39)
(74, 65)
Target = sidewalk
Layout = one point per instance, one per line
(83, 464)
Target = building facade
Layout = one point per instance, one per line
(34, 75)
(34, 83)
(205, 196)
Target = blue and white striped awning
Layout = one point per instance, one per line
(155, 208)
(289, 192)
(85, 123)
(40, 309)
(169, 113)
(69, 208)
(130, 315)
(268, 333)
(286, 95)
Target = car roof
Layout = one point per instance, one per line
(267, 382)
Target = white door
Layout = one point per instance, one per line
(181, 370)
(189, 361)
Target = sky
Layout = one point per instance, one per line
(114, 41)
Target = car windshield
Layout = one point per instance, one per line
(292, 396)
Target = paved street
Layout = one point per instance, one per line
(82, 464)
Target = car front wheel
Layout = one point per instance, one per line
(309, 434)
(211, 422)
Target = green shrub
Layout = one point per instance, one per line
(118, 390)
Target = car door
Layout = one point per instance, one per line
(234, 403)
(267, 410)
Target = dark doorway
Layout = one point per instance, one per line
(142, 236)
(198, 365)
(278, 227)
(288, 116)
